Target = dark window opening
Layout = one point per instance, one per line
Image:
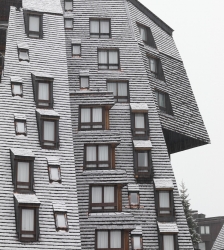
(143, 163)
(155, 67)
(140, 126)
(164, 103)
(146, 35)
(33, 24)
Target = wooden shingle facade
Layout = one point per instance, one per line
(95, 99)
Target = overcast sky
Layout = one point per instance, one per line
(199, 35)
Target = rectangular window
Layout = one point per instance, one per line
(44, 90)
(134, 200)
(205, 229)
(17, 89)
(168, 242)
(142, 163)
(136, 242)
(108, 59)
(23, 55)
(92, 118)
(23, 176)
(164, 202)
(76, 49)
(54, 174)
(28, 221)
(120, 90)
(34, 26)
(68, 23)
(202, 246)
(20, 127)
(84, 82)
(68, 5)
(155, 67)
(164, 103)
(140, 125)
(109, 240)
(98, 157)
(61, 221)
(146, 35)
(49, 133)
(100, 28)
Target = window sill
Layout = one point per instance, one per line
(167, 115)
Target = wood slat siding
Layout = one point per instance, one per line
(48, 55)
(219, 242)
(133, 68)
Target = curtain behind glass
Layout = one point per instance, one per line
(168, 242)
(27, 219)
(201, 246)
(137, 242)
(68, 5)
(115, 239)
(85, 116)
(91, 153)
(143, 159)
(68, 23)
(23, 55)
(111, 86)
(162, 100)
(153, 65)
(143, 33)
(34, 23)
(113, 59)
(20, 127)
(102, 57)
(76, 49)
(104, 28)
(97, 115)
(54, 174)
(49, 131)
(109, 194)
(61, 222)
(133, 198)
(96, 194)
(122, 89)
(23, 172)
(84, 82)
(17, 90)
(43, 91)
(94, 26)
(102, 239)
(164, 200)
(139, 123)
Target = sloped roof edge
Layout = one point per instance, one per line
(152, 16)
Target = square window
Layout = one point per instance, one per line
(136, 242)
(17, 89)
(109, 239)
(20, 127)
(143, 163)
(98, 157)
(69, 23)
(76, 49)
(134, 200)
(100, 28)
(23, 55)
(84, 82)
(61, 221)
(146, 35)
(108, 59)
(28, 221)
(68, 5)
(120, 90)
(164, 103)
(54, 174)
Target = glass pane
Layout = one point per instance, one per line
(201, 246)
(153, 65)
(104, 26)
(85, 115)
(202, 230)
(69, 23)
(23, 172)
(54, 174)
(97, 115)
(168, 242)
(112, 86)
(139, 121)
(96, 194)
(68, 5)
(61, 221)
(43, 91)
(143, 33)
(103, 57)
(143, 159)
(91, 153)
(133, 198)
(84, 82)
(49, 130)
(162, 102)
(94, 26)
(76, 49)
(103, 153)
(137, 242)
(207, 230)
(113, 57)
(122, 89)
(34, 23)
(164, 199)
(17, 90)
(23, 55)
(115, 239)
(28, 219)
(109, 194)
(102, 239)
(20, 127)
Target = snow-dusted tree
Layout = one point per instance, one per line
(192, 224)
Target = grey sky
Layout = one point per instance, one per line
(199, 36)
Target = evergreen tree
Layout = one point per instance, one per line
(192, 224)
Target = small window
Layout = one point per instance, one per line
(120, 90)
(134, 200)
(169, 242)
(202, 246)
(68, 5)
(28, 224)
(205, 229)
(155, 67)
(164, 203)
(23, 55)
(110, 240)
(93, 118)
(140, 126)
(24, 171)
(136, 242)
(34, 26)
(76, 50)
(146, 35)
(68, 23)
(108, 59)
(61, 221)
(17, 89)
(49, 133)
(84, 82)
(54, 174)
(98, 157)
(100, 28)
(143, 163)
(20, 127)
(164, 103)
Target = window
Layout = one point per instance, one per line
(164, 103)
(108, 59)
(168, 242)
(155, 67)
(54, 174)
(33, 24)
(20, 127)
(109, 240)
(205, 229)
(100, 28)
(105, 198)
(76, 50)
(61, 221)
(84, 82)
(146, 35)
(134, 200)
(68, 23)
(140, 126)
(119, 89)
(17, 89)
(49, 133)
(93, 118)
(164, 203)
(99, 157)
(23, 55)
(143, 163)
(202, 246)
(27, 223)
(136, 242)
(68, 5)
(43, 91)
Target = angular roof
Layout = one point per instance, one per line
(27, 199)
(163, 183)
(168, 227)
(219, 242)
(49, 6)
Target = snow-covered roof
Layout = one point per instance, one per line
(133, 187)
(49, 6)
(68, 15)
(139, 107)
(52, 160)
(168, 227)
(23, 45)
(42, 74)
(47, 112)
(163, 183)
(27, 198)
(84, 72)
(140, 144)
(16, 79)
(22, 152)
(137, 230)
(59, 207)
(20, 117)
(76, 41)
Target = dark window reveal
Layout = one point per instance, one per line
(33, 24)
(164, 102)
(100, 28)
(140, 125)
(134, 199)
(108, 59)
(146, 35)
(143, 163)
(156, 68)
